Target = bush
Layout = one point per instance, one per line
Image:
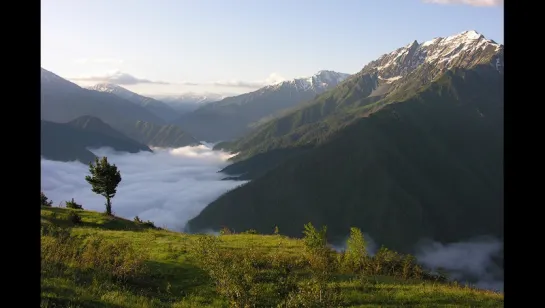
(73, 205)
(235, 275)
(356, 258)
(251, 231)
(226, 231)
(117, 260)
(323, 262)
(45, 201)
(148, 223)
(74, 217)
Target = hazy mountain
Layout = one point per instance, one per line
(188, 102)
(234, 116)
(167, 135)
(160, 109)
(410, 162)
(63, 101)
(70, 141)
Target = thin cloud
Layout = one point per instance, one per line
(99, 61)
(470, 261)
(486, 3)
(168, 187)
(272, 79)
(119, 78)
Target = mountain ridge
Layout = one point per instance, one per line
(233, 116)
(375, 86)
(403, 173)
(159, 108)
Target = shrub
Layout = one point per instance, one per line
(150, 224)
(226, 231)
(74, 217)
(234, 274)
(118, 258)
(322, 262)
(312, 294)
(356, 258)
(45, 201)
(251, 231)
(73, 205)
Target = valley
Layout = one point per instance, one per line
(328, 166)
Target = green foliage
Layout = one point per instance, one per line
(111, 262)
(73, 205)
(356, 258)
(104, 179)
(74, 217)
(117, 260)
(251, 231)
(235, 275)
(313, 294)
(322, 264)
(45, 201)
(148, 223)
(226, 231)
(276, 230)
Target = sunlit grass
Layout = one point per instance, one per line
(172, 279)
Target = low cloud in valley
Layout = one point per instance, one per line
(168, 187)
(471, 260)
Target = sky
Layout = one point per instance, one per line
(236, 46)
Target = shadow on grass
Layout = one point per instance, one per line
(105, 223)
(182, 278)
(54, 302)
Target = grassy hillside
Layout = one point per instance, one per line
(112, 262)
(407, 171)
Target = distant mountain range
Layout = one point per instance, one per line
(410, 147)
(232, 117)
(129, 114)
(188, 102)
(160, 109)
(70, 141)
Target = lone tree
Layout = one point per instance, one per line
(104, 179)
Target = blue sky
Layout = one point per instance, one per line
(235, 46)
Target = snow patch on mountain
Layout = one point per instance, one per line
(317, 82)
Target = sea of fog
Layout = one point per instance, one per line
(171, 186)
(168, 186)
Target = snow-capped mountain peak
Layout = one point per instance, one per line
(112, 88)
(464, 49)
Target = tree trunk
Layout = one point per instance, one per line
(108, 206)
